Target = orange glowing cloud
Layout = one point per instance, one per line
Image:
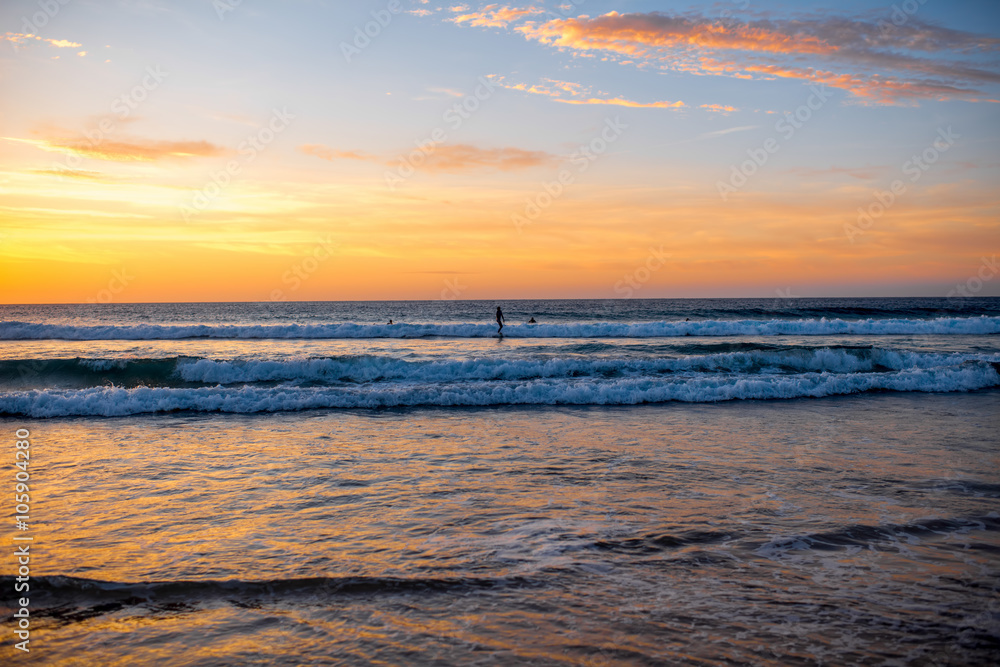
(567, 92)
(635, 34)
(18, 38)
(877, 66)
(718, 108)
(127, 150)
(81, 174)
(873, 89)
(492, 17)
(327, 153)
(450, 157)
(621, 102)
(460, 157)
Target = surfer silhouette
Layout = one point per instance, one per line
(500, 321)
(532, 321)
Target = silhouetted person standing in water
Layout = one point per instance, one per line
(500, 320)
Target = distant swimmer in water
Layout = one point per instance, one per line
(532, 321)
(500, 320)
(389, 322)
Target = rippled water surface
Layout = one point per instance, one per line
(704, 482)
(860, 529)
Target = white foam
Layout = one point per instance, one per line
(810, 327)
(372, 368)
(111, 401)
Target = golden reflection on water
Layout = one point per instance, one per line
(594, 528)
(401, 492)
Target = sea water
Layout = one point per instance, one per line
(783, 481)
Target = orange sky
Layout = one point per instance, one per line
(562, 155)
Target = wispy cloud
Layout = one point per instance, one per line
(327, 153)
(493, 16)
(718, 108)
(912, 62)
(622, 102)
(125, 150)
(728, 130)
(80, 174)
(567, 92)
(449, 157)
(19, 38)
(462, 157)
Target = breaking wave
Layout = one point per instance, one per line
(689, 388)
(776, 327)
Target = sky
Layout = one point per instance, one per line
(227, 150)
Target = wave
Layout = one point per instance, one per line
(981, 325)
(841, 537)
(696, 388)
(75, 599)
(867, 536)
(358, 369)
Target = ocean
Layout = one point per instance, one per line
(670, 482)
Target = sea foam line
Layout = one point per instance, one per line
(113, 401)
(180, 371)
(804, 327)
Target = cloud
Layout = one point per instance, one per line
(462, 157)
(639, 34)
(622, 102)
(450, 92)
(437, 93)
(144, 150)
(327, 153)
(81, 174)
(493, 17)
(18, 38)
(877, 65)
(567, 92)
(125, 150)
(874, 88)
(449, 157)
(728, 130)
(860, 173)
(718, 108)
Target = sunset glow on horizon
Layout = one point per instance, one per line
(413, 149)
